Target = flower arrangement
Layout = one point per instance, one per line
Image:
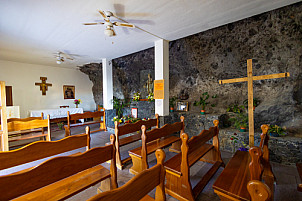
(120, 120)
(77, 101)
(150, 97)
(242, 145)
(136, 96)
(276, 131)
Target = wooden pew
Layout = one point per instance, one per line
(138, 187)
(299, 168)
(178, 182)
(74, 117)
(126, 129)
(247, 170)
(157, 138)
(25, 120)
(61, 177)
(43, 149)
(23, 129)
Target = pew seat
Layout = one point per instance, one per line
(62, 177)
(195, 149)
(152, 140)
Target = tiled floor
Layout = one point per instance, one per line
(287, 176)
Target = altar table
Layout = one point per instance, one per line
(55, 113)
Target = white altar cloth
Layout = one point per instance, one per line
(55, 113)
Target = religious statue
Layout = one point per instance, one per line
(149, 84)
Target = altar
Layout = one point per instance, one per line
(55, 113)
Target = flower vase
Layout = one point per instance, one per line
(77, 105)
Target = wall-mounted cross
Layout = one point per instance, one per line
(43, 85)
(249, 79)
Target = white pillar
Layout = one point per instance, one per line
(162, 73)
(107, 84)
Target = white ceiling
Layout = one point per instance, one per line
(31, 31)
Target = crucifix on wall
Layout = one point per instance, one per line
(43, 85)
(249, 79)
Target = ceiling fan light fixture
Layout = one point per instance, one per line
(108, 32)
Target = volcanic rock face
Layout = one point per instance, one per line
(273, 40)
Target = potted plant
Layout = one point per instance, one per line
(256, 102)
(242, 146)
(60, 125)
(118, 105)
(276, 131)
(172, 103)
(235, 108)
(203, 102)
(240, 121)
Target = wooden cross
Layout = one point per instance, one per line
(43, 85)
(249, 79)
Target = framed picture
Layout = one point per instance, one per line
(134, 112)
(182, 106)
(69, 91)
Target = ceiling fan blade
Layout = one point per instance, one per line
(93, 23)
(124, 24)
(103, 14)
(114, 34)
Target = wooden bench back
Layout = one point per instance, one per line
(73, 117)
(130, 128)
(42, 149)
(203, 137)
(140, 185)
(167, 129)
(189, 145)
(20, 125)
(24, 119)
(260, 168)
(54, 170)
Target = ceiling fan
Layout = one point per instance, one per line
(109, 31)
(61, 57)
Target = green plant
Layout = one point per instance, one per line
(277, 129)
(172, 101)
(242, 145)
(235, 108)
(119, 104)
(240, 120)
(203, 100)
(256, 102)
(60, 125)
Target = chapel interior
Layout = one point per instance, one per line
(151, 100)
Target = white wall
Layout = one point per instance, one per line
(22, 78)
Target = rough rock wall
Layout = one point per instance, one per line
(95, 73)
(273, 40)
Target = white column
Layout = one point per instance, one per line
(162, 72)
(107, 84)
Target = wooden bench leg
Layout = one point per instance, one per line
(136, 165)
(67, 132)
(177, 188)
(175, 147)
(105, 186)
